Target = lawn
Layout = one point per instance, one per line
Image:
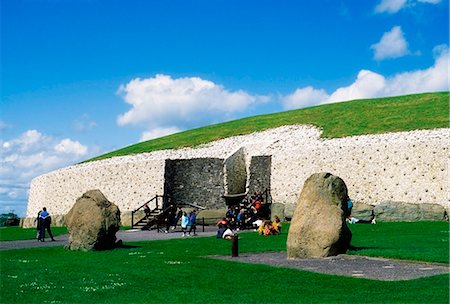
(357, 117)
(178, 271)
(19, 233)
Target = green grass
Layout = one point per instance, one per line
(358, 117)
(422, 241)
(19, 233)
(177, 271)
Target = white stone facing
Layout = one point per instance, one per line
(125, 183)
(405, 166)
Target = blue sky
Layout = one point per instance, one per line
(80, 78)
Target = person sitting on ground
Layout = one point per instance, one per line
(264, 228)
(354, 220)
(241, 219)
(228, 234)
(275, 228)
(222, 222)
(254, 197)
(230, 213)
(267, 228)
(221, 230)
(258, 222)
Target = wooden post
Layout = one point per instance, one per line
(132, 219)
(235, 246)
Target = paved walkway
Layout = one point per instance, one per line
(347, 265)
(124, 235)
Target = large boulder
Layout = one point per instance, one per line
(92, 222)
(318, 227)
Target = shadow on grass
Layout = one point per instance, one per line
(118, 245)
(355, 248)
(123, 246)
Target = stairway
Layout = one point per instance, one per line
(146, 223)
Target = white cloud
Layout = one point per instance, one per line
(390, 6)
(304, 97)
(393, 6)
(433, 79)
(158, 132)
(392, 45)
(369, 84)
(27, 141)
(68, 146)
(29, 155)
(162, 102)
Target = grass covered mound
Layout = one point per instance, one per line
(357, 117)
(178, 271)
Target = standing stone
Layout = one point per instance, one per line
(318, 227)
(92, 222)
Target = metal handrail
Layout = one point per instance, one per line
(157, 205)
(140, 207)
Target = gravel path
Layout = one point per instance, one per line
(347, 265)
(124, 235)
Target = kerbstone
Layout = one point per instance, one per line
(318, 227)
(93, 222)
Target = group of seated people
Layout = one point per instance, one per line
(270, 227)
(242, 215)
(264, 227)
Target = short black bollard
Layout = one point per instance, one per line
(235, 246)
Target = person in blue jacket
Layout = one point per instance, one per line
(192, 222)
(45, 220)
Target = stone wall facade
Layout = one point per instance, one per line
(260, 176)
(409, 167)
(236, 172)
(198, 181)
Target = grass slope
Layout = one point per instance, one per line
(177, 271)
(358, 117)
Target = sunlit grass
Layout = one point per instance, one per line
(179, 271)
(19, 233)
(358, 117)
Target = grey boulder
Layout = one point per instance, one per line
(318, 227)
(92, 222)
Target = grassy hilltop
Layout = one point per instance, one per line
(356, 117)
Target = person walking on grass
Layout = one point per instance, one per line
(44, 221)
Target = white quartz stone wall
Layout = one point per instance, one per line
(127, 184)
(405, 166)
